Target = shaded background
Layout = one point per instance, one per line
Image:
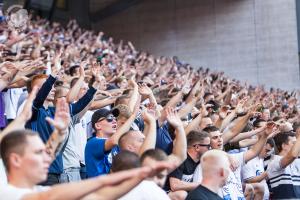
(251, 40)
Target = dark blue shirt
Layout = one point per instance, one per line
(39, 113)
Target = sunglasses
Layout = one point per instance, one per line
(202, 145)
(108, 118)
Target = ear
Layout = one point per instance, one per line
(98, 126)
(15, 160)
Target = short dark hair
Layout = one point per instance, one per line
(210, 129)
(155, 154)
(73, 82)
(73, 69)
(257, 121)
(283, 138)
(14, 142)
(196, 136)
(125, 160)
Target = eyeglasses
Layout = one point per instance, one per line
(202, 145)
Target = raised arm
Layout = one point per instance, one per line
(291, 155)
(60, 123)
(235, 128)
(20, 120)
(179, 152)
(114, 139)
(74, 91)
(256, 149)
(135, 94)
(149, 131)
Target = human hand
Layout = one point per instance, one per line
(62, 115)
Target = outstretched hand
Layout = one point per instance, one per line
(173, 118)
(26, 113)
(62, 116)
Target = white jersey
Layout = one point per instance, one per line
(146, 190)
(14, 193)
(253, 168)
(233, 190)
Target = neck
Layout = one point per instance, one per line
(20, 181)
(101, 135)
(193, 155)
(210, 184)
(282, 153)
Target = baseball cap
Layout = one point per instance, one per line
(102, 113)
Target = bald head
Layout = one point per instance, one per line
(215, 164)
(132, 141)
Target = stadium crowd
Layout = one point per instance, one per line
(85, 117)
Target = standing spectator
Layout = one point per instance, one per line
(284, 170)
(215, 170)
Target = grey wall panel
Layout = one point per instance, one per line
(252, 40)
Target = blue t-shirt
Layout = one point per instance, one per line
(97, 160)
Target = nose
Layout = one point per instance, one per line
(47, 158)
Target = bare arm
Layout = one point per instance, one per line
(135, 94)
(258, 179)
(60, 123)
(179, 152)
(176, 184)
(291, 155)
(235, 128)
(74, 91)
(194, 124)
(149, 132)
(256, 149)
(80, 189)
(25, 115)
(114, 139)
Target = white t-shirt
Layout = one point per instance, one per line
(284, 179)
(233, 189)
(255, 167)
(11, 98)
(146, 190)
(13, 193)
(3, 177)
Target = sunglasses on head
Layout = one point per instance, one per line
(109, 118)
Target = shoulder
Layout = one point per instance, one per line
(13, 193)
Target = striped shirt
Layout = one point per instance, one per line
(285, 182)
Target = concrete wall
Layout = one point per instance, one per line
(253, 40)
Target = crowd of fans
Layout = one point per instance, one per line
(84, 117)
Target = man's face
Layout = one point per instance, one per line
(202, 146)
(35, 161)
(267, 150)
(287, 146)
(160, 178)
(216, 140)
(107, 125)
